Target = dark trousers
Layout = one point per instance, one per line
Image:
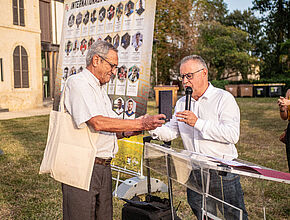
(226, 188)
(94, 204)
(288, 145)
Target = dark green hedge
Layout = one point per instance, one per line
(219, 83)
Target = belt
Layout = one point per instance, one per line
(101, 161)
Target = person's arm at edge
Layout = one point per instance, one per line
(283, 112)
(283, 108)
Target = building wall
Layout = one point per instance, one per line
(28, 37)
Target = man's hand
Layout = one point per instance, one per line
(187, 117)
(150, 122)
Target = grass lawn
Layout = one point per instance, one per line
(26, 195)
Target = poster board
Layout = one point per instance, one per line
(129, 26)
(130, 154)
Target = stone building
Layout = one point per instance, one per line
(27, 53)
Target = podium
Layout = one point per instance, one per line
(195, 171)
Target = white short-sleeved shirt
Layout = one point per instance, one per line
(86, 98)
(216, 130)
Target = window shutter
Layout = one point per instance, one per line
(15, 12)
(16, 64)
(20, 64)
(24, 68)
(21, 12)
(45, 21)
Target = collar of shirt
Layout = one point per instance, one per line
(206, 95)
(92, 79)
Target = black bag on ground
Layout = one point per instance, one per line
(154, 208)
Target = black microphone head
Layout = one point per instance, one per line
(188, 90)
(188, 93)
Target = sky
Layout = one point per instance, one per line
(238, 4)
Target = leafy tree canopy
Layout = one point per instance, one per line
(226, 50)
(229, 42)
(276, 20)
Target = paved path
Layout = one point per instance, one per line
(25, 113)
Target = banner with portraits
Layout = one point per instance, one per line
(129, 26)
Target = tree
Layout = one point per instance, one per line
(210, 10)
(285, 57)
(276, 17)
(247, 22)
(172, 40)
(225, 48)
(177, 31)
(185, 27)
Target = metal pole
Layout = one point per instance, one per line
(147, 139)
(168, 167)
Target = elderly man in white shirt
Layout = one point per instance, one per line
(86, 100)
(212, 127)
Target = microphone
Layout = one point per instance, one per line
(188, 93)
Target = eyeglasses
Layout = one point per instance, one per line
(188, 76)
(114, 67)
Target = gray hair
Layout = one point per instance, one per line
(99, 48)
(194, 58)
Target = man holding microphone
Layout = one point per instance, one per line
(210, 127)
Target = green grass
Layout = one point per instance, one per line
(26, 195)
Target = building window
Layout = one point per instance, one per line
(18, 12)
(20, 64)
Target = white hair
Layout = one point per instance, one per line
(99, 48)
(194, 58)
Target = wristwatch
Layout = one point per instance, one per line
(126, 136)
